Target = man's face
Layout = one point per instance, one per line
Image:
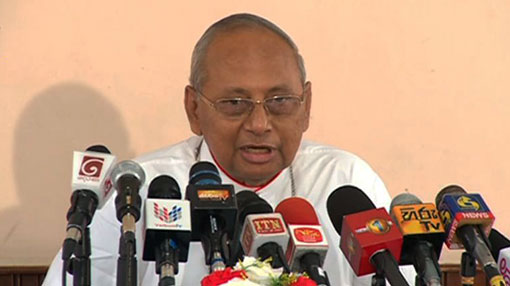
(256, 64)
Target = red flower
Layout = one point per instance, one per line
(304, 281)
(220, 277)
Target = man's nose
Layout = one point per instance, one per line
(258, 121)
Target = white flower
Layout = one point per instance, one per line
(258, 271)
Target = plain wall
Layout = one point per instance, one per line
(419, 89)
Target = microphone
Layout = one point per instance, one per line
(369, 240)
(501, 251)
(263, 234)
(167, 228)
(127, 178)
(307, 245)
(423, 236)
(91, 187)
(247, 203)
(213, 213)
(468, 221)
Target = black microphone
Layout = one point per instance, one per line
(167, 228)
(499, 244)
(213, 213)
(467, 221)
(369, 239)
(127, 178)
(99, 149)
(423, 236)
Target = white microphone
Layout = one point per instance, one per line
(504, 264)
(500, 248)
(91, 171)
(259, 229)
(91, 188)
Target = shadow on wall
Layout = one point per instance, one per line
(61, 119)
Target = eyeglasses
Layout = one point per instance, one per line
(279, 105)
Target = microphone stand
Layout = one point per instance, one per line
(167, 263)
(127, 204)
(467, 269)
(418, 281)
(167, 277)
(215, 245)
(378, 278)
(79, 265)
(126, 263)
(425, 259)
(385, 261)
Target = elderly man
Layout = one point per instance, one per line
(249, 103)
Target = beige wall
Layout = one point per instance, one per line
(417, 88)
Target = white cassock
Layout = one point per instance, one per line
(316, 171)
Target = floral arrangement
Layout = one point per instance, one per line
(253, 272)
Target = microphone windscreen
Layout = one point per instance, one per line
(164, 187)
(248, 203)
(346, 200)
(204, 173)
(245, 198)
(498, 242)
(127, 167)
(297, 210)
(405, 199)
(99, 149)
(448, 190)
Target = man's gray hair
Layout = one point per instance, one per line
(198, 74)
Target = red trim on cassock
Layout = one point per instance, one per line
(257, 188)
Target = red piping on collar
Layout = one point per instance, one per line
(256, 188)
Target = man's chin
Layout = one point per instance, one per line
(256, 179)
(256, 174)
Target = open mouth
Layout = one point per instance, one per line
(257, 149)
(257, 153)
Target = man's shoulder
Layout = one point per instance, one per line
(322, 153)
(324, 168)
(174, 160)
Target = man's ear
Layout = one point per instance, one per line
(307, 94)
(191, 106)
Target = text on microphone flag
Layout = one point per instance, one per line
(418, 218)
(308, 235)
(213, 195)
(268, 225)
